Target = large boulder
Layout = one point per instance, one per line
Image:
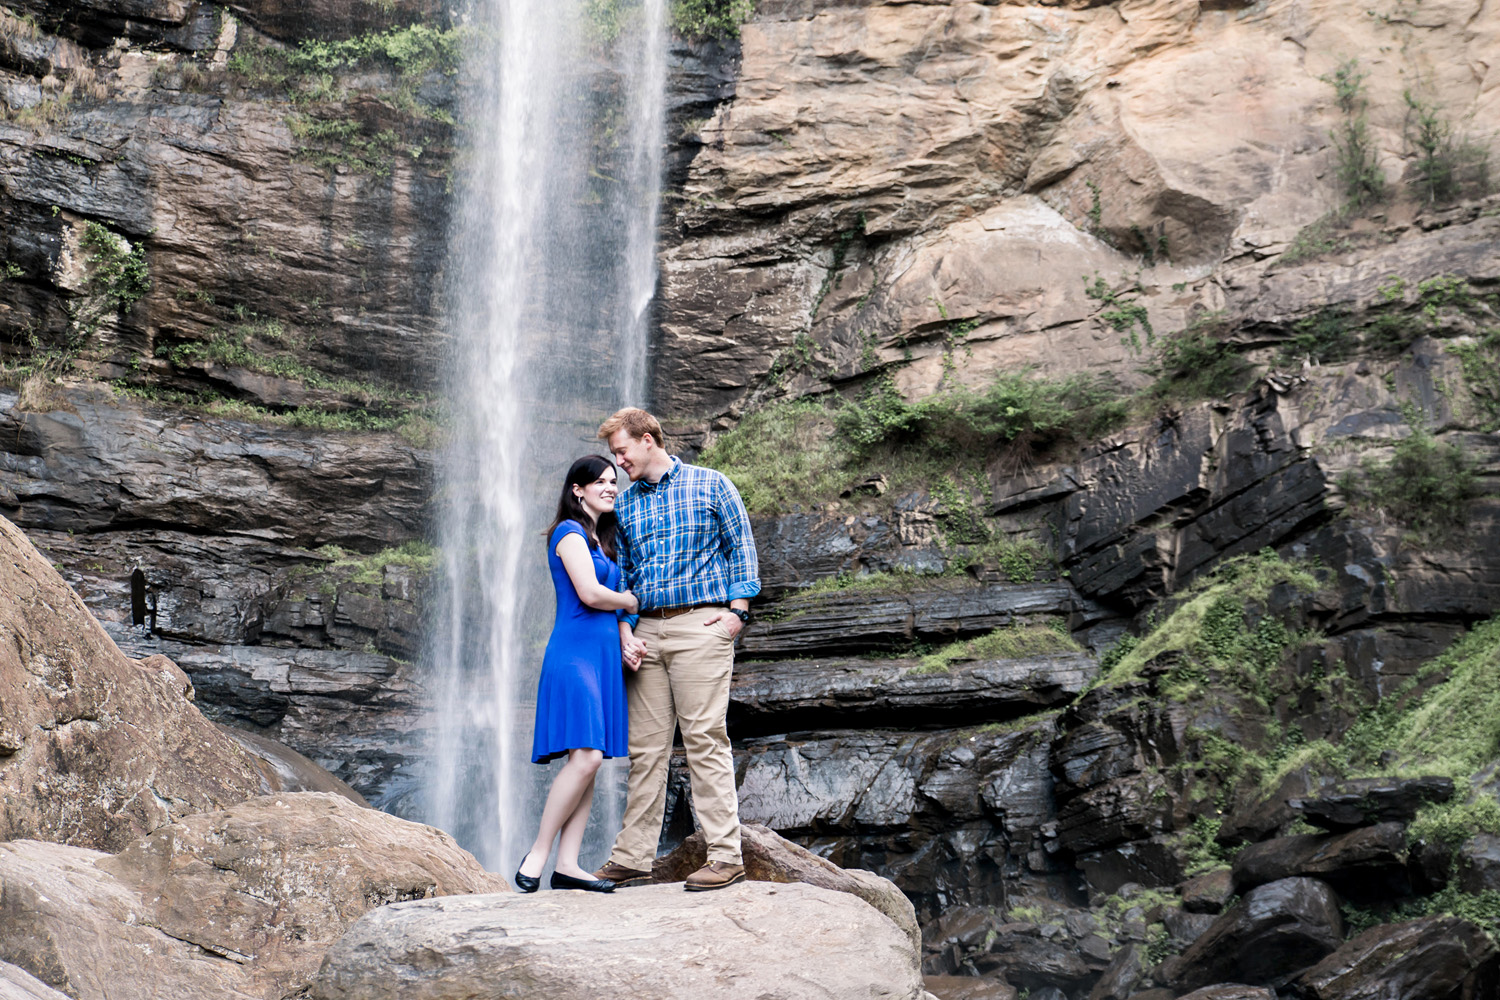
(1347, 805)
(770, 857)
(752, 941)
(1427, 959)
(1367, 863)
(1266, 939)
(233, 903)
(18, 984)
(96, 749)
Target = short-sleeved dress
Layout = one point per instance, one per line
(580, 698)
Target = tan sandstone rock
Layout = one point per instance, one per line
(96, 749)
(751, 941)
(18, 984)
(770, 857)
(234, 903)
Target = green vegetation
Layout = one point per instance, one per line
(412, 52)
(1448, 166)
(331, 143)
(1018, 641)
(1358, 165)
(1017, 411)
(421, 429)
(1200, 849)
(1425, 486)
(710, 18)
(1122, 312)
(1212, 634)
(782, 456)
(1479, 359)
(117, 272)
(1198, 363)
(419, 556)
(1316, 239)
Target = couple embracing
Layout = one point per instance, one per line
(653, 586)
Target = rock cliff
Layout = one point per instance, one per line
(1035, 665)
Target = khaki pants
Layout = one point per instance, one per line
(683, 682)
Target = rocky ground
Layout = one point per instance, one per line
(1142, 698)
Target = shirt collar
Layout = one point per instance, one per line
(666, 477)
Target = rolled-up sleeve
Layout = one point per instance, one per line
(622, 553)
(737, 542)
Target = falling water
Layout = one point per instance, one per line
(552, 277)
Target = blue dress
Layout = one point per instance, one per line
(580, 698)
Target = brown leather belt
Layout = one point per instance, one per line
(674, 612)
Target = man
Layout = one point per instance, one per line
(687, 554)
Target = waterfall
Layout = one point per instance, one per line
(552, 274)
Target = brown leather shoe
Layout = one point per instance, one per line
(714, 875)
(622, 876)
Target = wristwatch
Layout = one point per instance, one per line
(743, 616)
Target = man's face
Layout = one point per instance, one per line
(631, 454)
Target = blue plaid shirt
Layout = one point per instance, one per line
(685, 541)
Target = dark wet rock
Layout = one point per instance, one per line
(1256, 817)
(359, 715)
(968, 988)
(1266, 939)
(1033, 963)
(1110, 761)
(1124, 974)
(1479, 864)
(1231, 489)
(1207, 893)
(952, 935)
(1368, 801)
(1433, 958)
(860, 619)
(1153, 861)
(1184, 927)
(951, 817)
(106, 464)
(1231, 991)
(870, 692)
(1368, 864)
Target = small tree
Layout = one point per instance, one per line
(1358, 165)
(1447, 166)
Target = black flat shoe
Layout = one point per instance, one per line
(526, 883)
(561, 881)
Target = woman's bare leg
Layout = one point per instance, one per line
(571, 839)
(574, 782)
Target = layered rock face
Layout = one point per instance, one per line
(884, 173)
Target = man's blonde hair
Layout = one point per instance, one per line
(635, 421)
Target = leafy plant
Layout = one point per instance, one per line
(1358, 164)
(1447, 166)
(116, 271)
(710, 19)
(1425, 485)
(1198, 363)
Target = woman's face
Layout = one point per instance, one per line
(598, 497)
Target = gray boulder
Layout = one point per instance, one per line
(18, 984)
(753, 941)
(1428, 959)
(1266, 939)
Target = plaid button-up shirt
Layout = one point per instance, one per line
(685, 541)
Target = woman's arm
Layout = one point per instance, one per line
(574, 553)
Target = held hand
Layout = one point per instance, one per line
(633, 651)
(731, 622)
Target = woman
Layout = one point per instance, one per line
(580, 702)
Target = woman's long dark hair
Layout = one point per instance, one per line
(570, 508)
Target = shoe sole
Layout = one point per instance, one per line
(638, 880)
(690, 887)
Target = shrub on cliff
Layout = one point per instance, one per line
(1425, 486)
